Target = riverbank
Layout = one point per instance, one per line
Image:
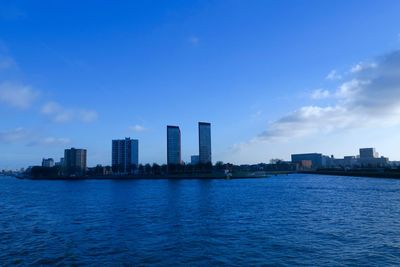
(152, 177)
(238, 175)
(357, 173)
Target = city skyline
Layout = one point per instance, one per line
(270, 86)
(120, 164)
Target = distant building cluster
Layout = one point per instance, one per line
(125, 154)
(367, 158)
(73, 162)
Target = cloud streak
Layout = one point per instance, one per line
(320, 94)
(17, 95)
(60, 114)
(359, 67)
(333, 75)
(30, 138)
(14, 135)
(49, 141)
(137, 128)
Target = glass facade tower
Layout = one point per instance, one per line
(205, 142)
(173, 145)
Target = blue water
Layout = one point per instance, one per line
(283, 220)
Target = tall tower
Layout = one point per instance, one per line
(173, 145)
(75, 161)
(205, 142)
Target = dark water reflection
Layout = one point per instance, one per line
(283, 220)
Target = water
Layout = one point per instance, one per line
(283, 220)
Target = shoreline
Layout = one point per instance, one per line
(366, 174)
(153, 177)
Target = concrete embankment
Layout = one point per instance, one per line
(355, 173)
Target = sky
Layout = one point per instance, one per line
(272, 77)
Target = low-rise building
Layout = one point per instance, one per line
(317, 160)
(48, 163)
(194, 160)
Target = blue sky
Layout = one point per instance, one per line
(273, 77)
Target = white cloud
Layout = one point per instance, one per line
(49, 141)
(137, 128)
(361, 66)
(57, 112)
(333, 75)
(30, 138)
(60, 114)
(350, 89)
(320, 94)
(17, 95)
(54, 140)
(15, 135)
(371, 98)
(345, 91)
(88, 115)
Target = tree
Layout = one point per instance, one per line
(141, 169)
(48, 172)
(164, 169)
(147, 168)
(219, 166)
(156, 169)
(275, 161)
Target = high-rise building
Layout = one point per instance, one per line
(48, 162)
(173, 145)
(74, 161)
(205, 142)
(125, 155)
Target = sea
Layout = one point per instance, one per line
(284, 220)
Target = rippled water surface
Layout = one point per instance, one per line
(282, 220)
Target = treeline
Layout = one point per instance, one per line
(44, 172)
(156, 169)
(219, 167)
(160, 170)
